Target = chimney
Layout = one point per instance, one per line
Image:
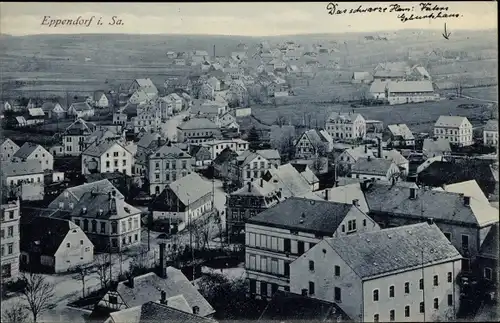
(326, 194)
(430, 221)
(413, 193)
(466, 200)
(112, 204)
(336, 183)
(369, 157)
(355, 202)
(109, 195)
(163, 267)
(249, 186)
(379, 141)
(163, 299)
(304, 292)
(196, 310)
(131, 281)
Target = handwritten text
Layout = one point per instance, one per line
(80, 21)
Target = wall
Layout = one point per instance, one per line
(10, 219)
(73, 145)
(120, 160)
(79, 252)
(165, 166)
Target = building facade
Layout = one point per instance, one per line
(458, 130)
(217, 146)
(10, 240)
(349, 126)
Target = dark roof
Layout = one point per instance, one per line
(25, 150)
(80, 127)
(43, 234)
(378, 252)
(441, 173)
(94, 202)
(372, 166)
(225, 155)
(290, 307)
(304, 215)
(489, 248)
(299, 167)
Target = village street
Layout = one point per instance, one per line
(169, 128)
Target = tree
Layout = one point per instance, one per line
(102, 265)
(286, 147)
(16, 314)
(81, 274)
(37, 292)
(253, 138)
(318, 164)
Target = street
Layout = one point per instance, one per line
(169, 128)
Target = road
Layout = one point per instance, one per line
(169, 128)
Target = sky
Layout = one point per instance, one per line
(243, 19)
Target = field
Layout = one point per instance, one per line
(484, 93)
(420, 117)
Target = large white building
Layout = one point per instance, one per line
(74, 136)
(348, 126)
(7, 149)
(32, 151)
(410, 92)
(403, 274)
(456, 129)
(107, 157)
(216, 146)
(490, 133)
(283, 233)
(10, 239)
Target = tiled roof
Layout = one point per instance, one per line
(148, 288)
(372, 166)
(410, 86)
(36, 112)
(449, 121)
(439, 205)
(190, 188)
(304, 215)
(98, 150)
(382, 252)
(291, 307)
(98, 95)
(258, 187)
(147, 139)
(378, 86)
(402, 130)
(389, 73)
(10, 169)
(345, 194)
(44, 234)
(170, 151)
(393, 155)
(344, 116)
(436, 146)
(81, 106)
(268, 154)
(97, 202)
(25, 150)
(80, 126)
(362, 76)
(198, 123)
(489, 248)
(491, 125)
(306, 173)
(289, 180)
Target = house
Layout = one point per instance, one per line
(289, 180)
(243, 112)
(487, 259)
(81, 110)
(400, 135)
(206, 92)
(308, 175)
(120, 118)
(171, 309)
(396, 157)
(350, 156)
(182, 201)
(74, 136)
(214, 83)
(197, 130)
(35, 116)
(346, 193)
(215, 147)
(166, 165)
(10, 238)
(54, 110)
(313, 143)
(202, 156)
(32, 151)
(150, 287)
(111, 224)
(27, 175)
(419, 73)
(251, 165)
(105, 157)
(174, 101)
(71, 196)
(379, 90)
(148, 119)
(141, 96)
(278, 236)
(353, 272)
(349, 126)
(228, 121)
(101, 100)
(490, 133)
(287, 306)
(434, 147)
(225, 165)
(199, 56)
(59, 247)
(239, 90)
(362, 77)
(463, 222)
(21, 121)
(375, 169)
(410, 92)
(144, 84)
(176, 84)
(104, 133)
(253, 198)
(7, 149)
(456, 129)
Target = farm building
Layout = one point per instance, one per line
(378, 90)
(410, 92)
(362, 77)
(81, 110)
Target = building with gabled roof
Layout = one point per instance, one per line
(54, 245)
(490, 133)
(186, 199)
(7, 149)
(81, 110)
(278, 236)
(289, 180)
(400, 135)
(456, 129)
(376, 169)
(401, 92)
(167, 164)
(107, 156)
(197, 130)
(313, 143)
(346, 126)
(144, 84)
(74, 136)
(368, 274)
(436, 147)
(32, 151)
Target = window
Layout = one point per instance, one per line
(375, 318)
(487, 273)
(124, 162)
(94, 226)
(392, 315)
(375, 295)
(10, 248)
(311, 288)
(11, 215)
(113, 299)
(447, 235)
(338, 294)
(107, 164)
(422, 307)
(407, 288)
(10, 231)
(3, 234)
(85, 225)
(287, 269)
(351, 225)
(465, 241)
(6, 271)
(450, 300)
(311, 265)
(116, 163)
(421, 283)
(391, 291)
(103, 227)
(115, 154)
(343, 228)
(337, 271)
(407, 311)
(436, 303)
(300, 247)
(68, 245)
(436, 280)
(114, 227)
(450, 277)
(364, 222)
(263, 288)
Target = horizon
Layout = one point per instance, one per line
(243, 19)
